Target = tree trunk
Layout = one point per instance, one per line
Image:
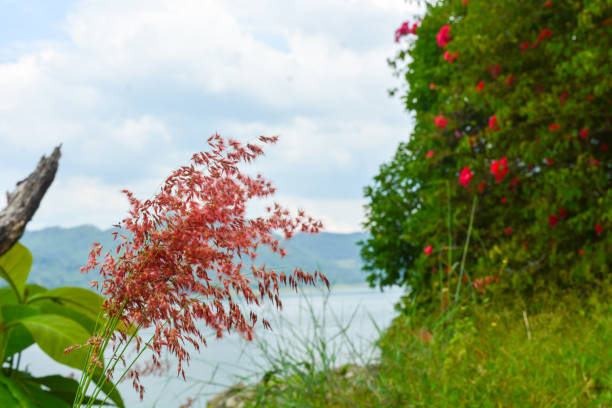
(24, 201)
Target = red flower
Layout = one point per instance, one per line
(508, 231)
(494, 70)
(604, 147)
(499, 168)
(465, 176)
(440, 121)
(548, 4)
(503, 200)
(552, 220)
(432, 85)
(562, 213)
(563, 98)
(443, 36)
(544, 34)
(428, 250)
(493, 123)
(525, 46)
(451, 56)
(464, 1)
(513, 183)
(594, 162)
(581, 251)
(509, 80)
(429, 154)
(405, 29)
(549, 161)
(481, 186)
(480, 86)
(599, 229)
(584, 133)
(554, 126)
(589, 97)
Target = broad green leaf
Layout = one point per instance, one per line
(15, 266)
(51, 307)
(84, 301)
(18, 337)
(11, 395)
(54, 334)
(23, 394)
(19, 340)
(62, 387)
(34, 289)
(42, 398)
(8, 296)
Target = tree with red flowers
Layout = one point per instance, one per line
(526, 127)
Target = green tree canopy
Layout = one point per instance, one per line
(512, 106)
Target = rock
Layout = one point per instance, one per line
(234, 397)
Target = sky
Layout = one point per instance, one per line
(133, 89)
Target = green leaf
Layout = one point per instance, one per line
(15, 266)
(85, 301)
(54, 333)
(33, 289)
(51, 307)
(62, 387)
(11, 395)
(8, 296)
(18, 337)
(21, 394)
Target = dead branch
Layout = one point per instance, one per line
(24, 201)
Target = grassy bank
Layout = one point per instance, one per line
(551, 352)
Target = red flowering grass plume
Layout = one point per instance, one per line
(183, 261)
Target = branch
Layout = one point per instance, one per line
(24, 201)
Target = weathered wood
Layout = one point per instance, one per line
(24, 201)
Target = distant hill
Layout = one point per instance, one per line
(59, 253)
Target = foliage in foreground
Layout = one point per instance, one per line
(519, 355)
(54, 320)
(511, 101)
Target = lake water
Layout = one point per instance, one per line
(347, 318)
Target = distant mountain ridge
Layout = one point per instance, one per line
(59, 253)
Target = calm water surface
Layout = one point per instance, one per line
(347, 318)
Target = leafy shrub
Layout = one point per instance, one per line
(511, 101)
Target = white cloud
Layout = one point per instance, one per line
(139, 84)
(73, 201)
(134, 134)
(337, 215)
